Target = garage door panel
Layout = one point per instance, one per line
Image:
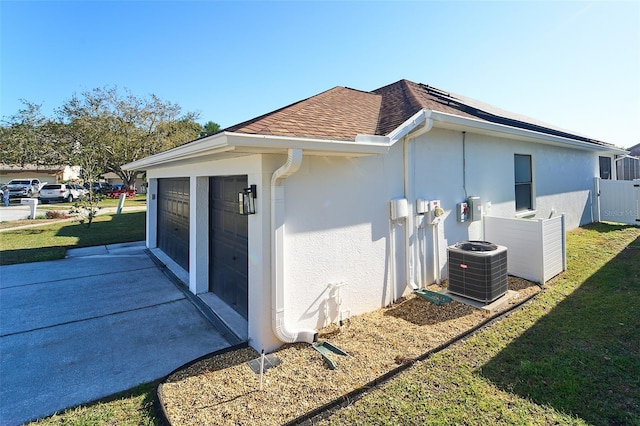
(173, 219)
(228, 243)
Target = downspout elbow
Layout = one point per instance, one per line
(280, 329)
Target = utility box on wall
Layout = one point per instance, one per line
(475, 209)
(462, 212)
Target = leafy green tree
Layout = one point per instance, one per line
(209, 128)
(99, 130)
(114, 128)
(28, 137)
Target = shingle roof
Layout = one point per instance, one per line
(339, 113)
(342, 113)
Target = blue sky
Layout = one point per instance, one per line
(573, 64)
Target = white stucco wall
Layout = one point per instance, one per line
(562, 181)
(338, 232)
(337, 218)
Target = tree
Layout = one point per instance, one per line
(209, 129)
(28, 137)
(99, 130)
(112, 129)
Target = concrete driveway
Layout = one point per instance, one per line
(79, 329)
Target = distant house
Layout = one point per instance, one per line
(46, 173)
(322, 173)
(114, 179)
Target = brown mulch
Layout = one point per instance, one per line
(224, 390)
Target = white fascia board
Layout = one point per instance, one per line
(416, 120)
(268, 143)
(211, 144)
(451, 121)
(256, 144)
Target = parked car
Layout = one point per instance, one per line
(99, 187)
(81, 190)
(118, 188)
(24, 187)
(60, 192)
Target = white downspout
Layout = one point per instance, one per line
(280, 329)
(428, 124)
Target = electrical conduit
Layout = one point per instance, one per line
(426, 126)
(280, 329)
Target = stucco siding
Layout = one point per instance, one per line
(562, 177)
(337, 216)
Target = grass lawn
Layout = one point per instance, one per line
(50, 242)
(133, 407)
(570, 356)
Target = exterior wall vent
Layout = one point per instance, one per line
(477, 270)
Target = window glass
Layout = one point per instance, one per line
(523, 168)
(523, 182)
(523, 197)
(605, 168)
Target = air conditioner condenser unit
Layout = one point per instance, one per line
(477, 270)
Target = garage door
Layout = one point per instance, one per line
(228, 240)
(173, 219)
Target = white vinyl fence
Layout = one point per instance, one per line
(536, 248)
(618, 201)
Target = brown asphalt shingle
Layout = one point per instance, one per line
(339, 113)
(342, 113)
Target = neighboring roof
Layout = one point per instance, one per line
(635, 150)
(32, 167)
(342, 113)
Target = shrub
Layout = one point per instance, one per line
(56, 214)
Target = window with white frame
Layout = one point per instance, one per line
(523, 182)
(605, 167)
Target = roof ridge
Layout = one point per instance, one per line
(412, 88)
(399, 102)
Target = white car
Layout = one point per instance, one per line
(61, 192)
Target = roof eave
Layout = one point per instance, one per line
(456, 122)
(249, 144)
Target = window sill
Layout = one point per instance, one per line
(526, 213)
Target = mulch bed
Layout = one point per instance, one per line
(224, 390)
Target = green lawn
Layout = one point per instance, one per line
(569, 356)
(133, 407)
(50, 242)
